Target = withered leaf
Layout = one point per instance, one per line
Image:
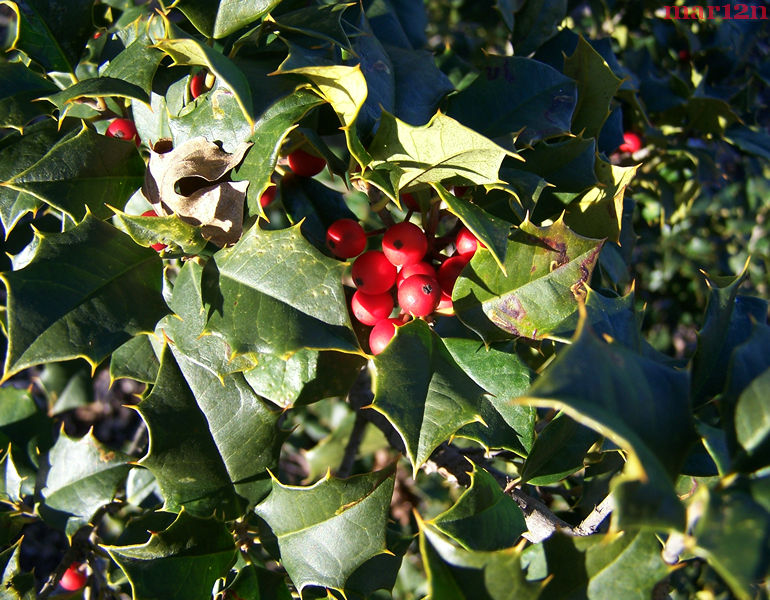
(193, 182)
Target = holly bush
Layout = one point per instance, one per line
(185, 190)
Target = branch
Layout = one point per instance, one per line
(356, 435)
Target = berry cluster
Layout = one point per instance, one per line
(406, 267)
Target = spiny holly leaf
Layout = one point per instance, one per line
(499, 371)
(10, 479)
(597, 85)
(733, 534)
(484, 517)
(599, 212)
(569, 165)
(346, 90)
(639, 404)
(270, 130)
(15, 583)
(186, 51)
(210, 440)
(278, 294)
(183, 561)
(490, 230)
(137, 63)
(306, 376)
(18, 153)
(443, 150)
(178, 235)
(220, 19)
(422, 391)
(83, 477)
(95, 87)
(256, 583)
(558, 451)
(108, 170)
(752, 422)
(315, 21)
(184, 329)
(52, 34)
(535, 22)
(546, 268)
(21, 86)
(136, 360)
(516, 96)
(93, 310)
(327, 530)
(462, 575)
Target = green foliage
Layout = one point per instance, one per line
(583, 366)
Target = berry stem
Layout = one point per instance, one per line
(374, 232)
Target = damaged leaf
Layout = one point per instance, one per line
(192, 181)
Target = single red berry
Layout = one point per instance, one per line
(466, 243)
(345, 238)
(267, 196)
(410, 202)
(419, 268)
(97, 35)
(382, 333)
(305, 164)
(198, 84)
(404, 244)
(449, 271)
(631, 142)
(419, 295)
(123, 129)
(373, 273)
(74, 578)
(371, 308)
(684, 55)
(156, 247)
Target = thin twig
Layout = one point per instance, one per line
(351, 449)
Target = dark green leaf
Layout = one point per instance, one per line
(257, 583)
(569, 165)
(84, 476)
(10, 480)
(546, 268)
(176, 234)
(315, 21)
(15, 583)
(183, 561)
(96, 87)
(21, 86)
(108, 170)
(422, 391)
(210, 439)
(137, 63)
(68, 385)
(135, 360)
(515, 95)
(484, 517)
(418, 83)
(535, 23)
(93, 310)
(752, 421)
(326, 531)
(220, 19)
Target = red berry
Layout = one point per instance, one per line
(631, 142)
(97, 35)
(466, 243)
(459, 190)
(419, 268)
(267, 196)
(373, 273)
(123, 129)
(371, 308)
(419, 295)
(74, 578)
(345, 238)
(382, 333)
(684, 55)
(410, 202)
(198, 84)
(156, 247)
(446, 306)
(305, 164)
(449, 271)
(404, 244)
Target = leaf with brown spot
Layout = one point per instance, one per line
(193, 182)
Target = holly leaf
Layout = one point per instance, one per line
(16, 583)
(93, 311)
(108, 170)
(10, 479)
(211, 440)
(484, 517)
(136, 63)
(640, 405)
(546, 268)
(226, 16)
(95, 87)
(442, 151)
(136, 360)
(176, 234)
(422, 391)
(752, 423)
(278, 294)
(326, 531)
(269, 133)
(516, 96)
(67, 384)
(84, 476)
(256, 583)
(536, 22)
(596, 85)
(21, 87)
(182, 561)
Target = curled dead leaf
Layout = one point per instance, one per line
(193, 182)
